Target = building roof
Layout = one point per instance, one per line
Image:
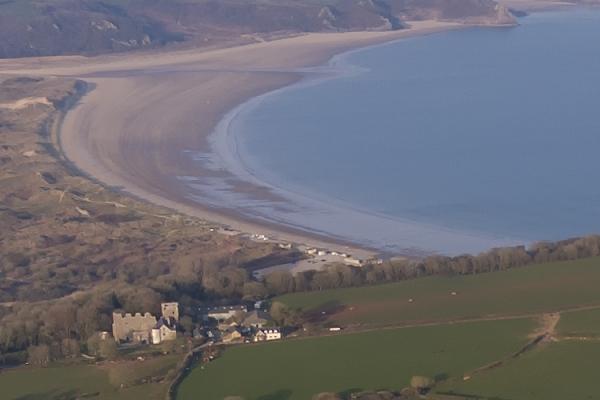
(270, 330)
(168, 322)
(223, 309)
(257, 317)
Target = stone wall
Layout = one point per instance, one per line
(124, 325)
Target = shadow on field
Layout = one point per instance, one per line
(57, 395)
(463, 396)
(348, 392)
(283, 394)
(441, 377)
(322, 313)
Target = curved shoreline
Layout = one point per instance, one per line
(230, 134)
(131, 131)
(225, 145)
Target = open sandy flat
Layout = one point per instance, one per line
(146, 110)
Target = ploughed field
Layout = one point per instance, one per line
(534, 289)
(301, 368)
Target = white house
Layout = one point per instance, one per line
(263, 335)
(353, 262)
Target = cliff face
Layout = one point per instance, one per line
(485, 12)
(35, 28)
(54, 27)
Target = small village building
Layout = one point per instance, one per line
(213, 334)
(353, 262)
(165, 330)
(257, 319)
(265, 335)
(223, 313)
(227, 325)
(232, 336)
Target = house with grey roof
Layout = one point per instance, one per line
(257, 319)
(222, 313)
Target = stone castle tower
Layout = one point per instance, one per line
(170, 310)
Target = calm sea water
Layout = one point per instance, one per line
(490, 132)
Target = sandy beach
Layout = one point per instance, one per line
(144, 111)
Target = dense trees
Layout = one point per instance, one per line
(63, 327)
(38, 355)
(283, 315)
(98, 346)
(339, 275)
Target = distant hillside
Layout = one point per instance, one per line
(54, 27)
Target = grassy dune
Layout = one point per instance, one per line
(533, 289)
(298, 369)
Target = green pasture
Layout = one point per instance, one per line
(580, 323)
(557, 371)
(109, 381)
(533, 289)
(297, 369)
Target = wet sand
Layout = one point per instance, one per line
(145, 111)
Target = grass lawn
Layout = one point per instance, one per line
(103, 382)
(533, 289)
(580, 323)
(298, 369)
(559, 371)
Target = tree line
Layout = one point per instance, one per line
(498, 259)
(65, 327)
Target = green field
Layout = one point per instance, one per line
(103, 382)
(533, 289)
(298, 369)
(559, 371)
(580, 323)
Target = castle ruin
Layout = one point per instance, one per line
(146, 329)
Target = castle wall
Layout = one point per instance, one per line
(124, 325)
